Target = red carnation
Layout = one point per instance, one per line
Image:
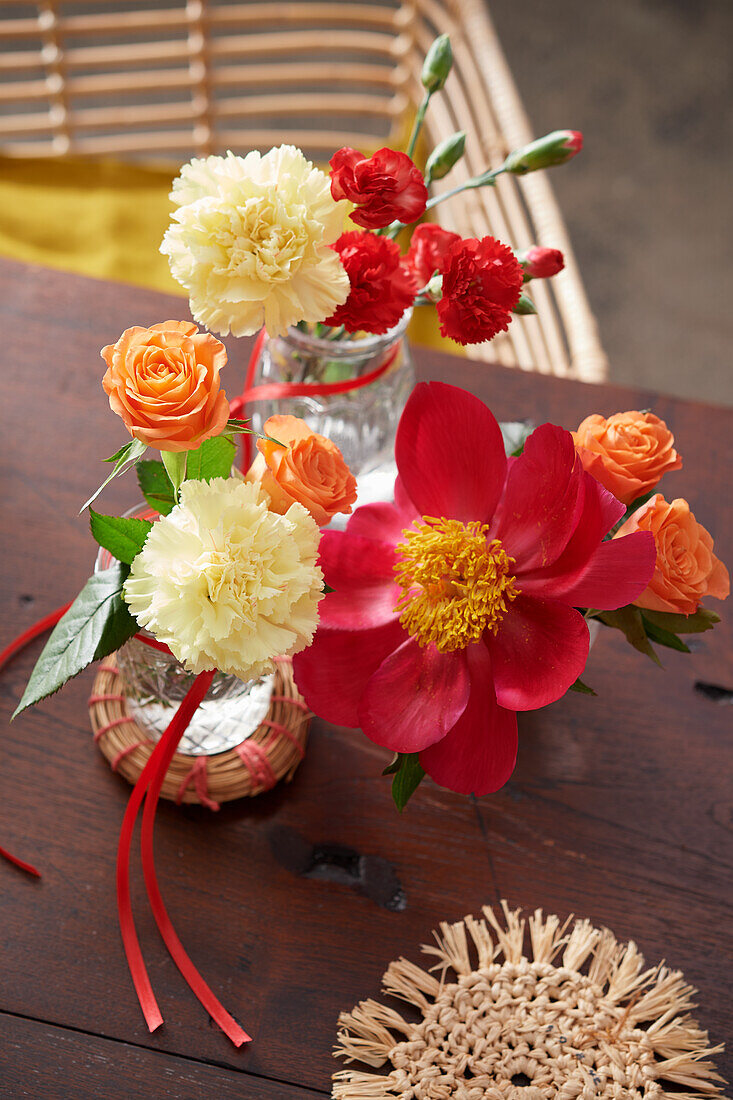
(482, 282)
(382, 287)
(386, 187)
(542, 263)
(428, 249)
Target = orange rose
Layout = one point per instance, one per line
(309, 469)
(686, 569)
(164, 383)
(628, 453)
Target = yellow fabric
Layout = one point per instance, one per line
(106, 219)
(103, 218)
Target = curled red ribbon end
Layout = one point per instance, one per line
(168, 743)
(27, 867)
(198, 986)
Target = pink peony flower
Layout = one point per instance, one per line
(455, 606)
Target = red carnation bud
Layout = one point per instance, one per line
(544, 152)
(385, 188)
(541, 263)
(382, 286)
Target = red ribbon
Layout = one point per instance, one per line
(148, 787)
(150, 781)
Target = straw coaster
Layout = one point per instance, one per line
(577, 1016)
(271, 753)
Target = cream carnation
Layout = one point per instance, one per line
(224, 582)
(251, 239)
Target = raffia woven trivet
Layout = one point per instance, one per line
(575, 1016)
(271, 753)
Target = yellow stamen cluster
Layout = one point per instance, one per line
(455, 583)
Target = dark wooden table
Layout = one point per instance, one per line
(620, 809)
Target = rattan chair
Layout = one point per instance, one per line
(196, 77)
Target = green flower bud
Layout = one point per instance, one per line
(444, 156)
(525, 307)
(554, 148)
(437, 65)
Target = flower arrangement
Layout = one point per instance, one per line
(468, 599)
(431, 620)
(227, 578)
(224, 576)
(259, 240)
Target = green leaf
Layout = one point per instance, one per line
(515, 433)
(96, 624)
(213, 458)
(701, 620)
(124, 537)
(238, 427)
(123, 459)
(664, 637)
(629, 621)
(407, 777)
(582, 688)
(327, 588)
(155, 486)
(122, 454)
(394, 765)
(176, 463)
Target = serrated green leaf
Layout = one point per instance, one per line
(514, 434)
(176, 464)
(629, 621)
(155, 486)
(96, 624)
(123, 536)
(582, 688)
(123, 459)
(212, 459)
(703, 619)
(664, 637)
(406, 779)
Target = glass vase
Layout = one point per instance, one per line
(361, 422)
(155, 683)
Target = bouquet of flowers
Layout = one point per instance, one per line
(469, 598)
(224, 575)
(227, 578)
(259, 241)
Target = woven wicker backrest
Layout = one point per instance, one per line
(176, 78)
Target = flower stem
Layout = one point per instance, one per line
(488, 179)
(417, 125)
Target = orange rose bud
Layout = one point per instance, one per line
(686, 569)
(164, 383)
(308, 468)
(628, 453)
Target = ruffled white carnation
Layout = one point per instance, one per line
(226, 583)
(250, 241)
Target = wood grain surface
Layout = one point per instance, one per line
(620, 809)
